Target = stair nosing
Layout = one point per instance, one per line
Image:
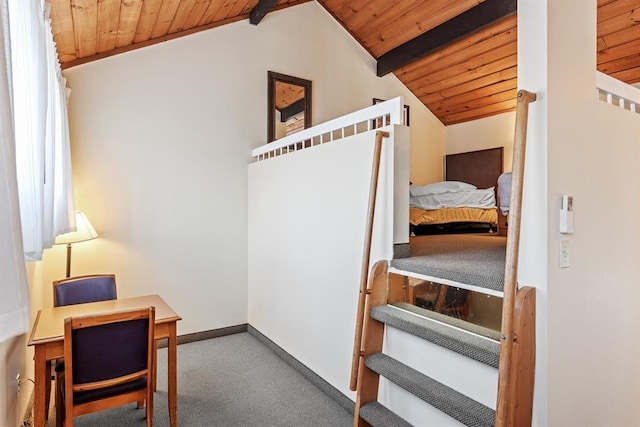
(443, 281)
(470, 345)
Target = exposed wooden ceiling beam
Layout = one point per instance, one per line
(292, 109)
(462, 25)
(260, 11)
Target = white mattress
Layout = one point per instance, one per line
(480, 198)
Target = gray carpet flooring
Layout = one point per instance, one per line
(230, 381)
(477, 260)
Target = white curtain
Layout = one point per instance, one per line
(14, 305)
(40, 123)
(36, 198)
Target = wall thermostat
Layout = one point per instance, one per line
(566, 215)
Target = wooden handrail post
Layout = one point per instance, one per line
(372, 339)
(364, 275)
(511, 264)
(523, 356)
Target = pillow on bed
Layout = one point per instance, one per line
(504, 191)
(440, 187)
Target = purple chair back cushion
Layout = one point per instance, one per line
(86, 290)
(109, 351)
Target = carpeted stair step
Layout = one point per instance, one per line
(475, 261)
(453, 403)
(379, 416)
(479, 348)
(420, 267)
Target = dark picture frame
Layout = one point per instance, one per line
(405, 116)
(273, 78)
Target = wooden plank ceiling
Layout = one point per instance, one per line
(287, 94)
(468, 77)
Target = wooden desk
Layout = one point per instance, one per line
(47, 337)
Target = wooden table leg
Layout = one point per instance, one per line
(172, 351)
(47, 390)
(39, 393)
(154, 368)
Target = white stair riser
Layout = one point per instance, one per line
(411, 408)
(467, 376)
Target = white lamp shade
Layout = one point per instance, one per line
(84, 231)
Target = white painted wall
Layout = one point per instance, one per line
(489, 132)
(160, 144)
(593, 150)
(307, 217)
(532, 76)
(350, 84)
(18, 358)
(12, 354)
(588, 341)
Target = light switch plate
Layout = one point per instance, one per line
(564, 254)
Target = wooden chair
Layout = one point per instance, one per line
(108, 362)
(83, 289)
(79, 290)
(453, 302)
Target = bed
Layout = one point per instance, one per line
(465, 202)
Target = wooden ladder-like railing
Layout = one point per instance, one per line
(517, 345)
(366, 257)
(517, 332)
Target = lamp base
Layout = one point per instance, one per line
(68, 260)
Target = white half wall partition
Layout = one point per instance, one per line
(307, 220)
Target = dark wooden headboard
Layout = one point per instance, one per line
(480, 168)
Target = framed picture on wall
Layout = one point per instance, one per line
(405, 115)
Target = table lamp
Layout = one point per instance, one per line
(84, 231)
